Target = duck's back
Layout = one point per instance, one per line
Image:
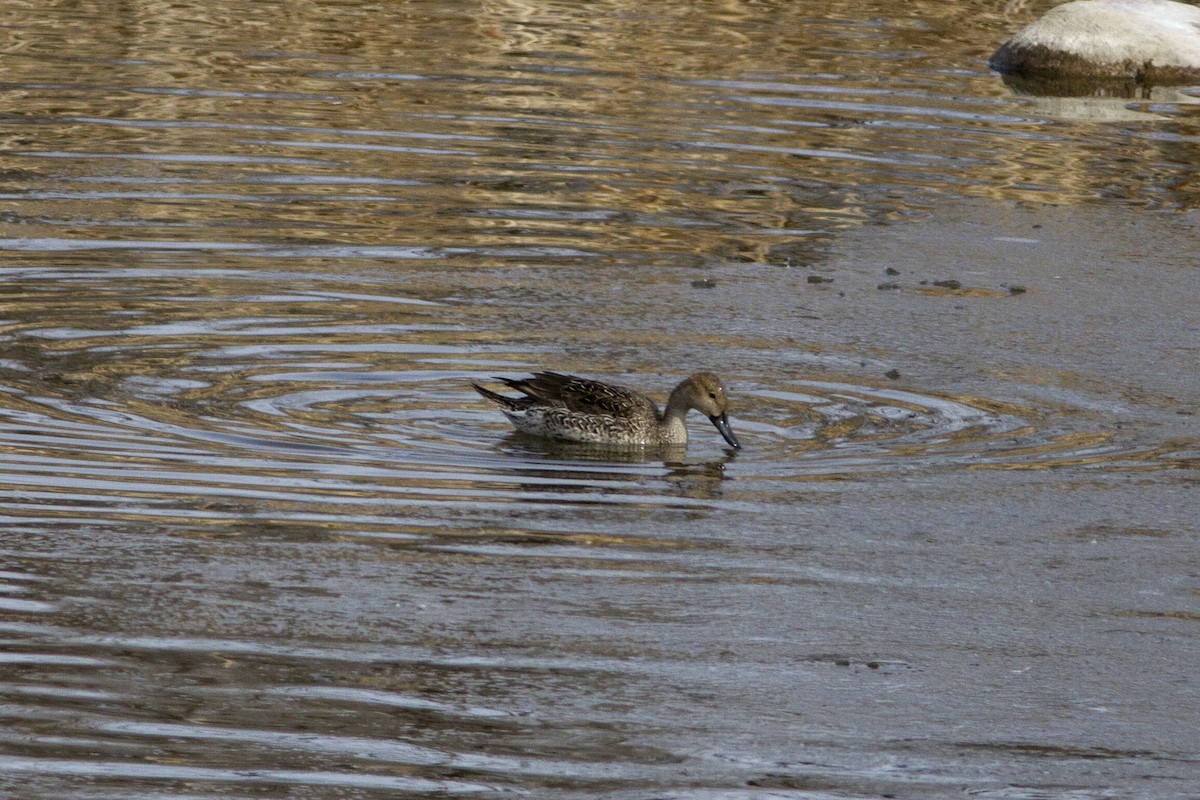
(586, 396)
(583, 410)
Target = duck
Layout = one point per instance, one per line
(569, 408)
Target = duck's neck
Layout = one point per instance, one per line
(676, 412)
(677, 403)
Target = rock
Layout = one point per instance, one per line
(1151, 41)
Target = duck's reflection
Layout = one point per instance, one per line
(574, 468)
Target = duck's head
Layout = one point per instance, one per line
(704, 392)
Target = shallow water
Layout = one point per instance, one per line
(261, 539)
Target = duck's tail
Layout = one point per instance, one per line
(511, 403)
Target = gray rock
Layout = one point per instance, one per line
(1151, 41)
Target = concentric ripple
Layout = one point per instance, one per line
(315, 421)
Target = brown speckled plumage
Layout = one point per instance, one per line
(576, 409)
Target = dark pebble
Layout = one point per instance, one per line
(888, 285)
(948, 284)
(894, 374)
(818, 279)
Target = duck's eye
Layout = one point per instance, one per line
(713, 395)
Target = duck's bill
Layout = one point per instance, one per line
(722, 425)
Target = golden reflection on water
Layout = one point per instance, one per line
(527, 137)
(252, 262)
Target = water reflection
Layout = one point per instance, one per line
(261, 538)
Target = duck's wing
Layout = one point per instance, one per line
(585, 396)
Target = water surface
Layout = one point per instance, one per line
(261, 539)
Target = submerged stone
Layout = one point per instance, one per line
(1150, 41)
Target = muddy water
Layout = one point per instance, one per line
(260, 539)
